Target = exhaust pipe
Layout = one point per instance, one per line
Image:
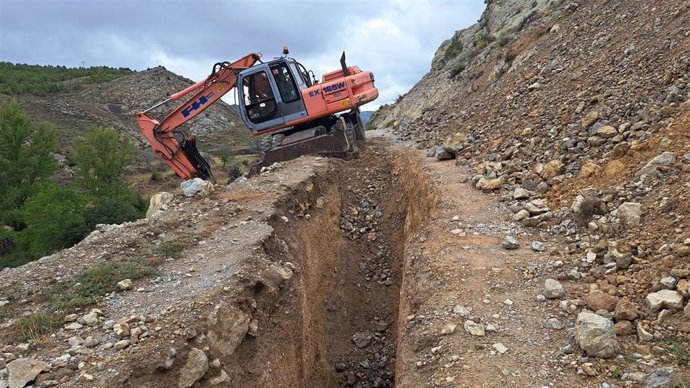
(346, 71)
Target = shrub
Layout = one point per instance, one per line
(457, 69)
(32, 327)
(454, 48)
(95, 282)
(114, 209)
(54, 220)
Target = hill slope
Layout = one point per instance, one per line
(115, 104)
(584, 112)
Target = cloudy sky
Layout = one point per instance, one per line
(396, 39)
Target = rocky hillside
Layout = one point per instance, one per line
(578, 118)
(116, 103)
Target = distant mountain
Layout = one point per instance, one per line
(365, 116)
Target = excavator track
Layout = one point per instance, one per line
(343, 139)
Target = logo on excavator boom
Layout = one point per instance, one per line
(196, 104)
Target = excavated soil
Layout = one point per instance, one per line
(368, 272)
(287, 279)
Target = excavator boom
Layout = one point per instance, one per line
(176, 149)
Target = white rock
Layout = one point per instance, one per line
(196, 186)
(473, 328)
(220, 379)
(595, 335)
(630, 214)
(665, 159)
(159, 202)
(664, 299)
(90, 319)
(461, 311)
(669, 282)
(449, 328)
(122, 344)
(124, 285)
(520, 193)
(553, 289)
(538, 246)
(73, 326)
(510, 243)
(194, 369)
(500, 348)
(23, 370)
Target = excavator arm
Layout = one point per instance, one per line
(174, 147)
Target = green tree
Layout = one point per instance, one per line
(25, 161)
(101, 158)
(54, 220)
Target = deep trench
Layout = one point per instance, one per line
(344, 325)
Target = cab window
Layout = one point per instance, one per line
(259, 101)
(286, 85)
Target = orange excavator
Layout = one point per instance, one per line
(293, 113)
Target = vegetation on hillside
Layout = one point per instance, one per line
(44, 80)
(38, 217)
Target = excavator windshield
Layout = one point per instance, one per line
(259, 100)
(286, 85)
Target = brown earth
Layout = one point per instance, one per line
(320, 272)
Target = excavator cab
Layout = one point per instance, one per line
(270, 94)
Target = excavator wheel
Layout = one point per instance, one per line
(265, 145)
(277, 140)
(359, 128)
(351, 133)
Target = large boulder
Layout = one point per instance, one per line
(24, 370)
(194, 369)
(666, 299)
(630, 214)
(159, 202)
(596, 336)
(196, 186)
(228, 325)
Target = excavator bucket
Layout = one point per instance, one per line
(202, 167)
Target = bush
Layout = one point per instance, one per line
(95, 282)
(114, 209)
(234, 173)
(34, 326)
(54, 220)
(454, 48)
(457, 69)
(156, 176)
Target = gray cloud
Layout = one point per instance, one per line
(394, 38)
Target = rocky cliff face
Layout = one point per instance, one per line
(467, 49)
(580, 123)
